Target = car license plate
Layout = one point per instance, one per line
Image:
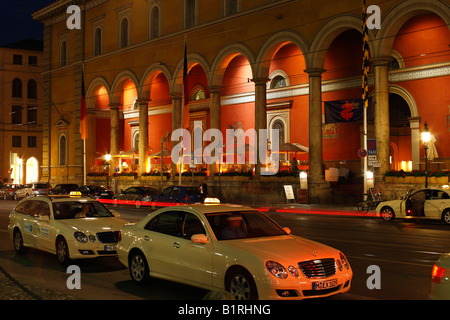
(103, 194)
(320, 285)
(110, 248)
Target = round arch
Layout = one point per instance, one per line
(119, 83)
(224, 57)
(400, 14)
(193, 59)
(149, 75)
(273, 44)
(327, 33)
(91, 93)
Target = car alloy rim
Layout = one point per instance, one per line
(138, 268)
(240, 288)
(447, 217)
(387, 214)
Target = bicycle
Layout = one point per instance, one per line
(372, 201)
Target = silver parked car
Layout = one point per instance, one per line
(31, 189)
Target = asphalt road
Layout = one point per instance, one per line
(403, 252)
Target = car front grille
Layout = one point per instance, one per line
(108, 237)
(319, 268)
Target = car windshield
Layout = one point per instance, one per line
(79, 209)
(242, 225)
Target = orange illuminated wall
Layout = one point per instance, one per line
(423, 40)
(129, 95)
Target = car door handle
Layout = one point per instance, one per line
(176, 245)
(146, 238)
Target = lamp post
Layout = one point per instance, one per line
(426, 135)
(108, 162)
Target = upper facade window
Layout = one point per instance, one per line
(17, 88)
(154, 22)
(17, 59)
(63, 53)
(97, 41)
(124, 33)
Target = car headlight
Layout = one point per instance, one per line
(344, 260)
(80, 236)
(276, 269)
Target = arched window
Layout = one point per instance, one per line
(278, 82)
(17, 88)
(63, 54)
(278, 124)
(124, 41)
(62, 150)
(154, 23)
(98, 42)
(32, 89)
(190, 13)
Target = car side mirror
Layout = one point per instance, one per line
(199, 238)
(287, 230)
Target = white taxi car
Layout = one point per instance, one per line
(425, 203)
(232, 248)
(70, 227)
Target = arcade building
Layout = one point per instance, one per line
(259, 64)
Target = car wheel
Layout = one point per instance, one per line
(62, 251)
(241, 285)
(387, 214)
(139, 271)
(446, 217)
(18, 241)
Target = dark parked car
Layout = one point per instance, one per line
(180, 194)
(65, 188)
(8, 191)
(135, 195)
(96, 192)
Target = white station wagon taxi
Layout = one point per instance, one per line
(70, 227)
(232, 248)
(426, 203)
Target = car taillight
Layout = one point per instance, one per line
(119, 236)
(436, 274)
(186, 198)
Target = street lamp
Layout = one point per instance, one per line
(426, 135)
(108, 162)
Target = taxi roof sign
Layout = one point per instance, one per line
(211, 201)
(75, 193)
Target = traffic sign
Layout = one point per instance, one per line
(362, 153)
(372, 147)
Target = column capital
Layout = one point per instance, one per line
(381, 61)
(215, 89)
(260, 81)
(143, 101)
(115, 106)
(315, 72)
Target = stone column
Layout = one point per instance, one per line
(318, 189)
(214, 119)
(381, 120)
(143, 135)
(414, 124)
(260, 117)
(114, 144)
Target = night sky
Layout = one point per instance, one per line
(16, 23)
